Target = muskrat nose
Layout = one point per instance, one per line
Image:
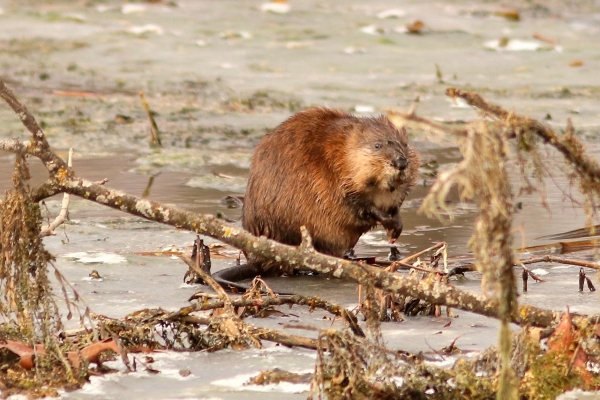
(400, 163)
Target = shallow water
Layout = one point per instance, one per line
(220, 75)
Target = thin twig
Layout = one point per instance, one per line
(404, 265)
(209, 280)
(48, 230)
(405, 261)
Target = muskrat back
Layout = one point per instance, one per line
(337, 174)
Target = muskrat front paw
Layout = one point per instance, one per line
(393, 226)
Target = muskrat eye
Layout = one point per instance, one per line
(377, 146)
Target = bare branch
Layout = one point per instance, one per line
(13, 145)
(38, 146)
(64, 209)
(411, 120)
(436, 293)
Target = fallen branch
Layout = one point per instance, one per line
(541, 259)
(312, 302)
(561, 260)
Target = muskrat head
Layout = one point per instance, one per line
(380, 156)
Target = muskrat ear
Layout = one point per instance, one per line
(385, 120)
(346, 126)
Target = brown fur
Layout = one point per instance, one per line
(321, 169)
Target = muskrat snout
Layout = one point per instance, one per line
(400, 163)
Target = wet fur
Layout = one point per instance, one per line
(321, 169)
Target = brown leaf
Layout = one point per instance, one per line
(26, 362)
(19, 348)
(562, 341)
(580, 365)
(512, 15)
(576, 63)
(580, 360)
(546, 39)
(22, 350)
(563, 336)
(92, 352)
(415, 27)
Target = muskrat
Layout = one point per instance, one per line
(337, 174)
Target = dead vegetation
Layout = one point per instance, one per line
(352, 362)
